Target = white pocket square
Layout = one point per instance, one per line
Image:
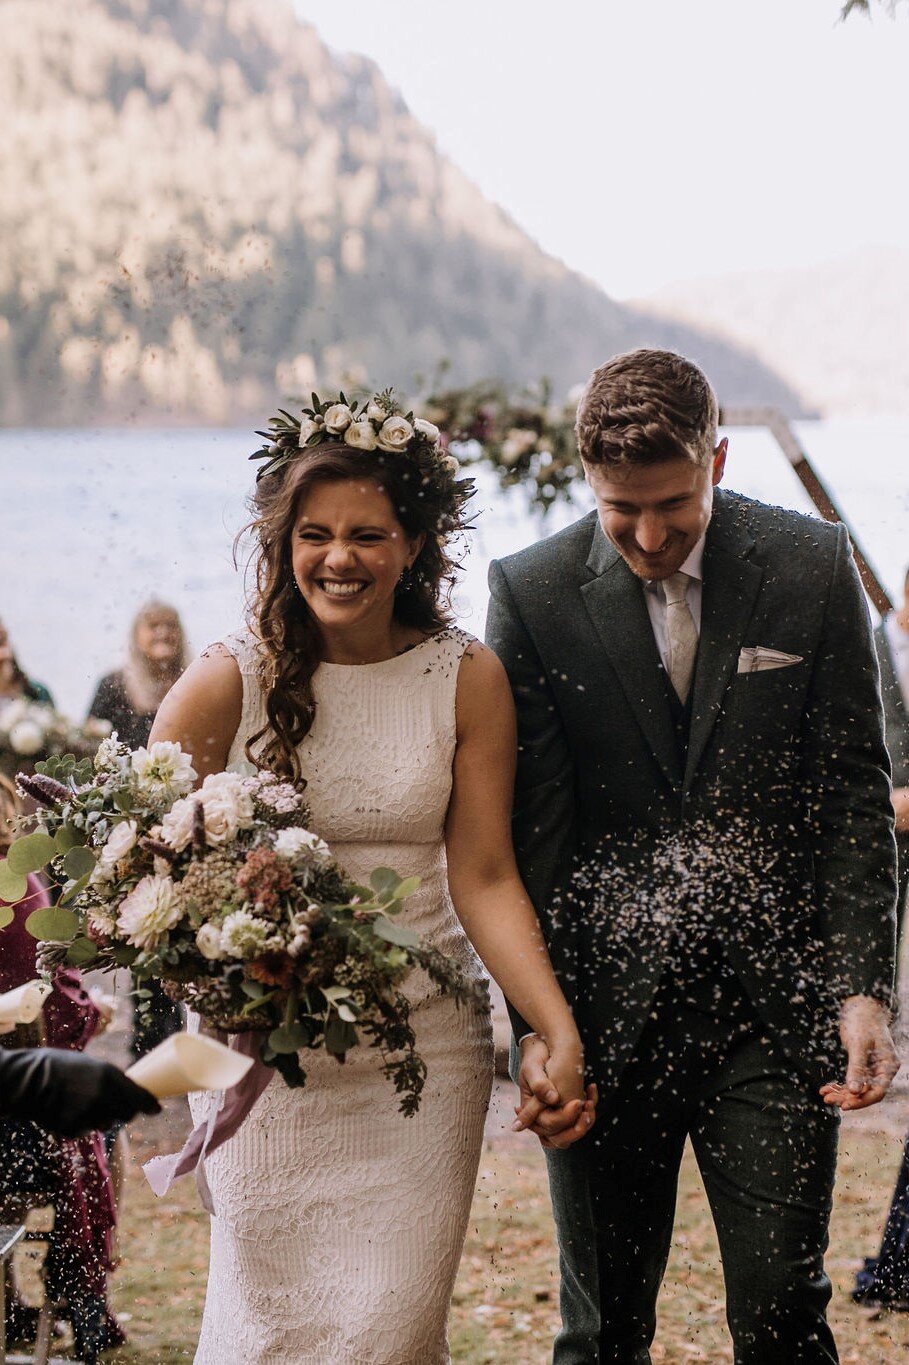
(758, 658)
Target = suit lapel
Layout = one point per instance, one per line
(731, 585)
(614, 601)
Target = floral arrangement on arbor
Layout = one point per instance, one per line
(224, 896)
(528, 438)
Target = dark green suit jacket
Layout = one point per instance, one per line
(781, 801)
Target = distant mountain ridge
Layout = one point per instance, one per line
(840, 330)
(202, 208)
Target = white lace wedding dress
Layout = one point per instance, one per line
(338, 1222)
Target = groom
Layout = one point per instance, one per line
(702, 818)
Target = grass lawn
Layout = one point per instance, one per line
(505, 1306)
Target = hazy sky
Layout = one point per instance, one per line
(647, 141)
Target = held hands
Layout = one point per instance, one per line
(872, 1060)
(553, 1102)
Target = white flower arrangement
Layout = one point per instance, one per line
(31, 728)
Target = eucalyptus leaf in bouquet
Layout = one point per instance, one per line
(224, 895)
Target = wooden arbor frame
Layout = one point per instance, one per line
(785, 437)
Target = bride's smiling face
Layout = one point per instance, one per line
(348, 551)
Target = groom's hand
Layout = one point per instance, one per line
(872, 1060)
(540, 1109)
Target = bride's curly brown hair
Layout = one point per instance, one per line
(281, 620)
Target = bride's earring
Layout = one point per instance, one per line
(405, 582)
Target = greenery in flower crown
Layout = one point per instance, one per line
(378, 424)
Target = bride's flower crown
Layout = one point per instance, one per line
(377, 424)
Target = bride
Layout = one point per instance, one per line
(339, 1223)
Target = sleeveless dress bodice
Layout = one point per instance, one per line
(338, 1222)
(378, 770)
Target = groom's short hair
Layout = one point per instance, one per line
(644, 407)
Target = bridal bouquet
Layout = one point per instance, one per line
(33, 729)
(224, 896)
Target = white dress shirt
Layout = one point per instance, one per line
(656, 602)
(898, 640)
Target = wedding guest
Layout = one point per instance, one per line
(891, 639)
(14, 682)
(70, 1174)
(128, 699)
(67, 1093)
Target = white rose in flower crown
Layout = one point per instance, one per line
(376, 412)
(337, 418)
(394, 434)
(26, 738)
(307, 428)
(150, 909)
(208, 941)
(361, 435)
(427, 429)
(121, 839)
(163, 771)
(450, 464)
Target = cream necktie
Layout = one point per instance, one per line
(681, 634)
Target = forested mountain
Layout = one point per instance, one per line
(840, 330)
(201, 207)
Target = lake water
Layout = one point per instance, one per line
(93, 522)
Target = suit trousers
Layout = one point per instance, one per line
(766, 1147)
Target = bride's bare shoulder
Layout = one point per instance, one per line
(483, 693)
(202, 710)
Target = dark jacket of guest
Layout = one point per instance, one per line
(67, 1093)
(70, 1173)
(111, 703)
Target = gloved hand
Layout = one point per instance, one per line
(68, 1093)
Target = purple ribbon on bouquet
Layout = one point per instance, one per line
(222, 1123)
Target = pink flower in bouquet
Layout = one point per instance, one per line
(264, 876)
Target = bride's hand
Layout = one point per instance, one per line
(553, 1102)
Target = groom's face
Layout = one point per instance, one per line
(655, 514)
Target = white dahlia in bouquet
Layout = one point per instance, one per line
(226, 897)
